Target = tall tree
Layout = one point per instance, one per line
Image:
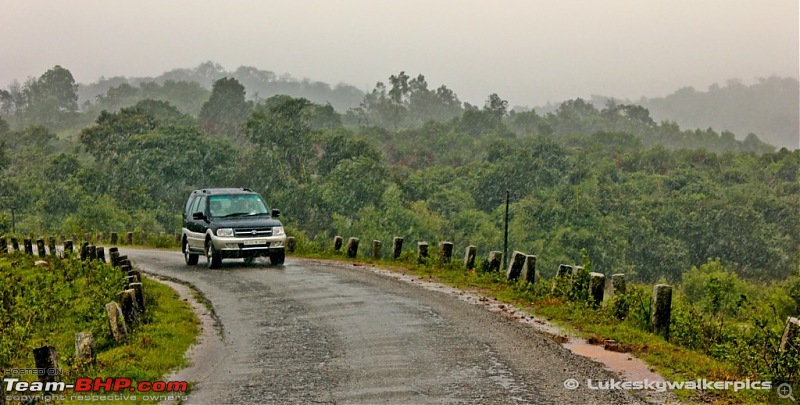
(496, 106)
(408, 103)
(51, 100)
(282, 126)
(225, 110)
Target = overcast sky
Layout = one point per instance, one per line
(529, 52)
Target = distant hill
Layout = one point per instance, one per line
(260, 84)
(769, 109)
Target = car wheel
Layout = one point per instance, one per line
(191, 258)
(213, 257)
(277, 258)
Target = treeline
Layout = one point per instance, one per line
(260, 84)
(634, 194)
(768, 108)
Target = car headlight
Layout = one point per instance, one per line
(225, 232)
(277, 231)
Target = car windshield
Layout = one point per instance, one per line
(237, 205)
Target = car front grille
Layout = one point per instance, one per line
(252, 232)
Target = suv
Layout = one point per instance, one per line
(230, 223)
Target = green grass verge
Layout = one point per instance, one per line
(48, 305)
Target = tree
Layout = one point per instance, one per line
(324, 117)
(496, 106)
(3, 156)
(407, 104)
(4, 128)
(51, 100)
(164, 113)
(62, 166)
(103, 139)
(354, 184)
(7, 102)
(225, 110)
(426, 105)
(476, 122)
(529, 123)
(282, 126)
(188, 97)
(341, 145)
(35, 136)
(156, 170)
(106, 137)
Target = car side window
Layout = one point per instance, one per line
(194, 206)
(187, 211)
(201, 206)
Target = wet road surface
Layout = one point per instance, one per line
(311, 332)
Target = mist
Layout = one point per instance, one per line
(527, 52)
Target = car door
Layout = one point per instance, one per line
(196, 234)
(187, 211)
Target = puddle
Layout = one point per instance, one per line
(626, 365)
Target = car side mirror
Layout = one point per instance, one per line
(276, 213)
(198, 216)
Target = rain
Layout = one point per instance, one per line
(692, 180)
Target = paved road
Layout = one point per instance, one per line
(310, 332)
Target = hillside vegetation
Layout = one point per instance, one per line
(642, 197)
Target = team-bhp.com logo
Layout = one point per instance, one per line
(84, 384)
(87, 388)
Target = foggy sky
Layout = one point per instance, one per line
(529, 52)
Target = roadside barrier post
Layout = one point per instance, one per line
(469, 257)
(397, 247)
(445, 252)
(515, 266)
(376, 249)
(597, 285)
(46, 358)
(529, 269)
(662, 309)
(422, 251)
(352, 247)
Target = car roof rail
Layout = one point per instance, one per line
(246, 189)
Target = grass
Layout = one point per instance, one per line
(49, 305)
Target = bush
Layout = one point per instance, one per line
(33, 297)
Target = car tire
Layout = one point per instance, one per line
(213, 257)
(277, 258)
(190, 258)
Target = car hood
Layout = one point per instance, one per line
(245, 222)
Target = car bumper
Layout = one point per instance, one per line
(243, 247)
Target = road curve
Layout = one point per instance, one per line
(309, 332)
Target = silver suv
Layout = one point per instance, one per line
(230, 223)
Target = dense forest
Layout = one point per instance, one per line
(635, 195)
